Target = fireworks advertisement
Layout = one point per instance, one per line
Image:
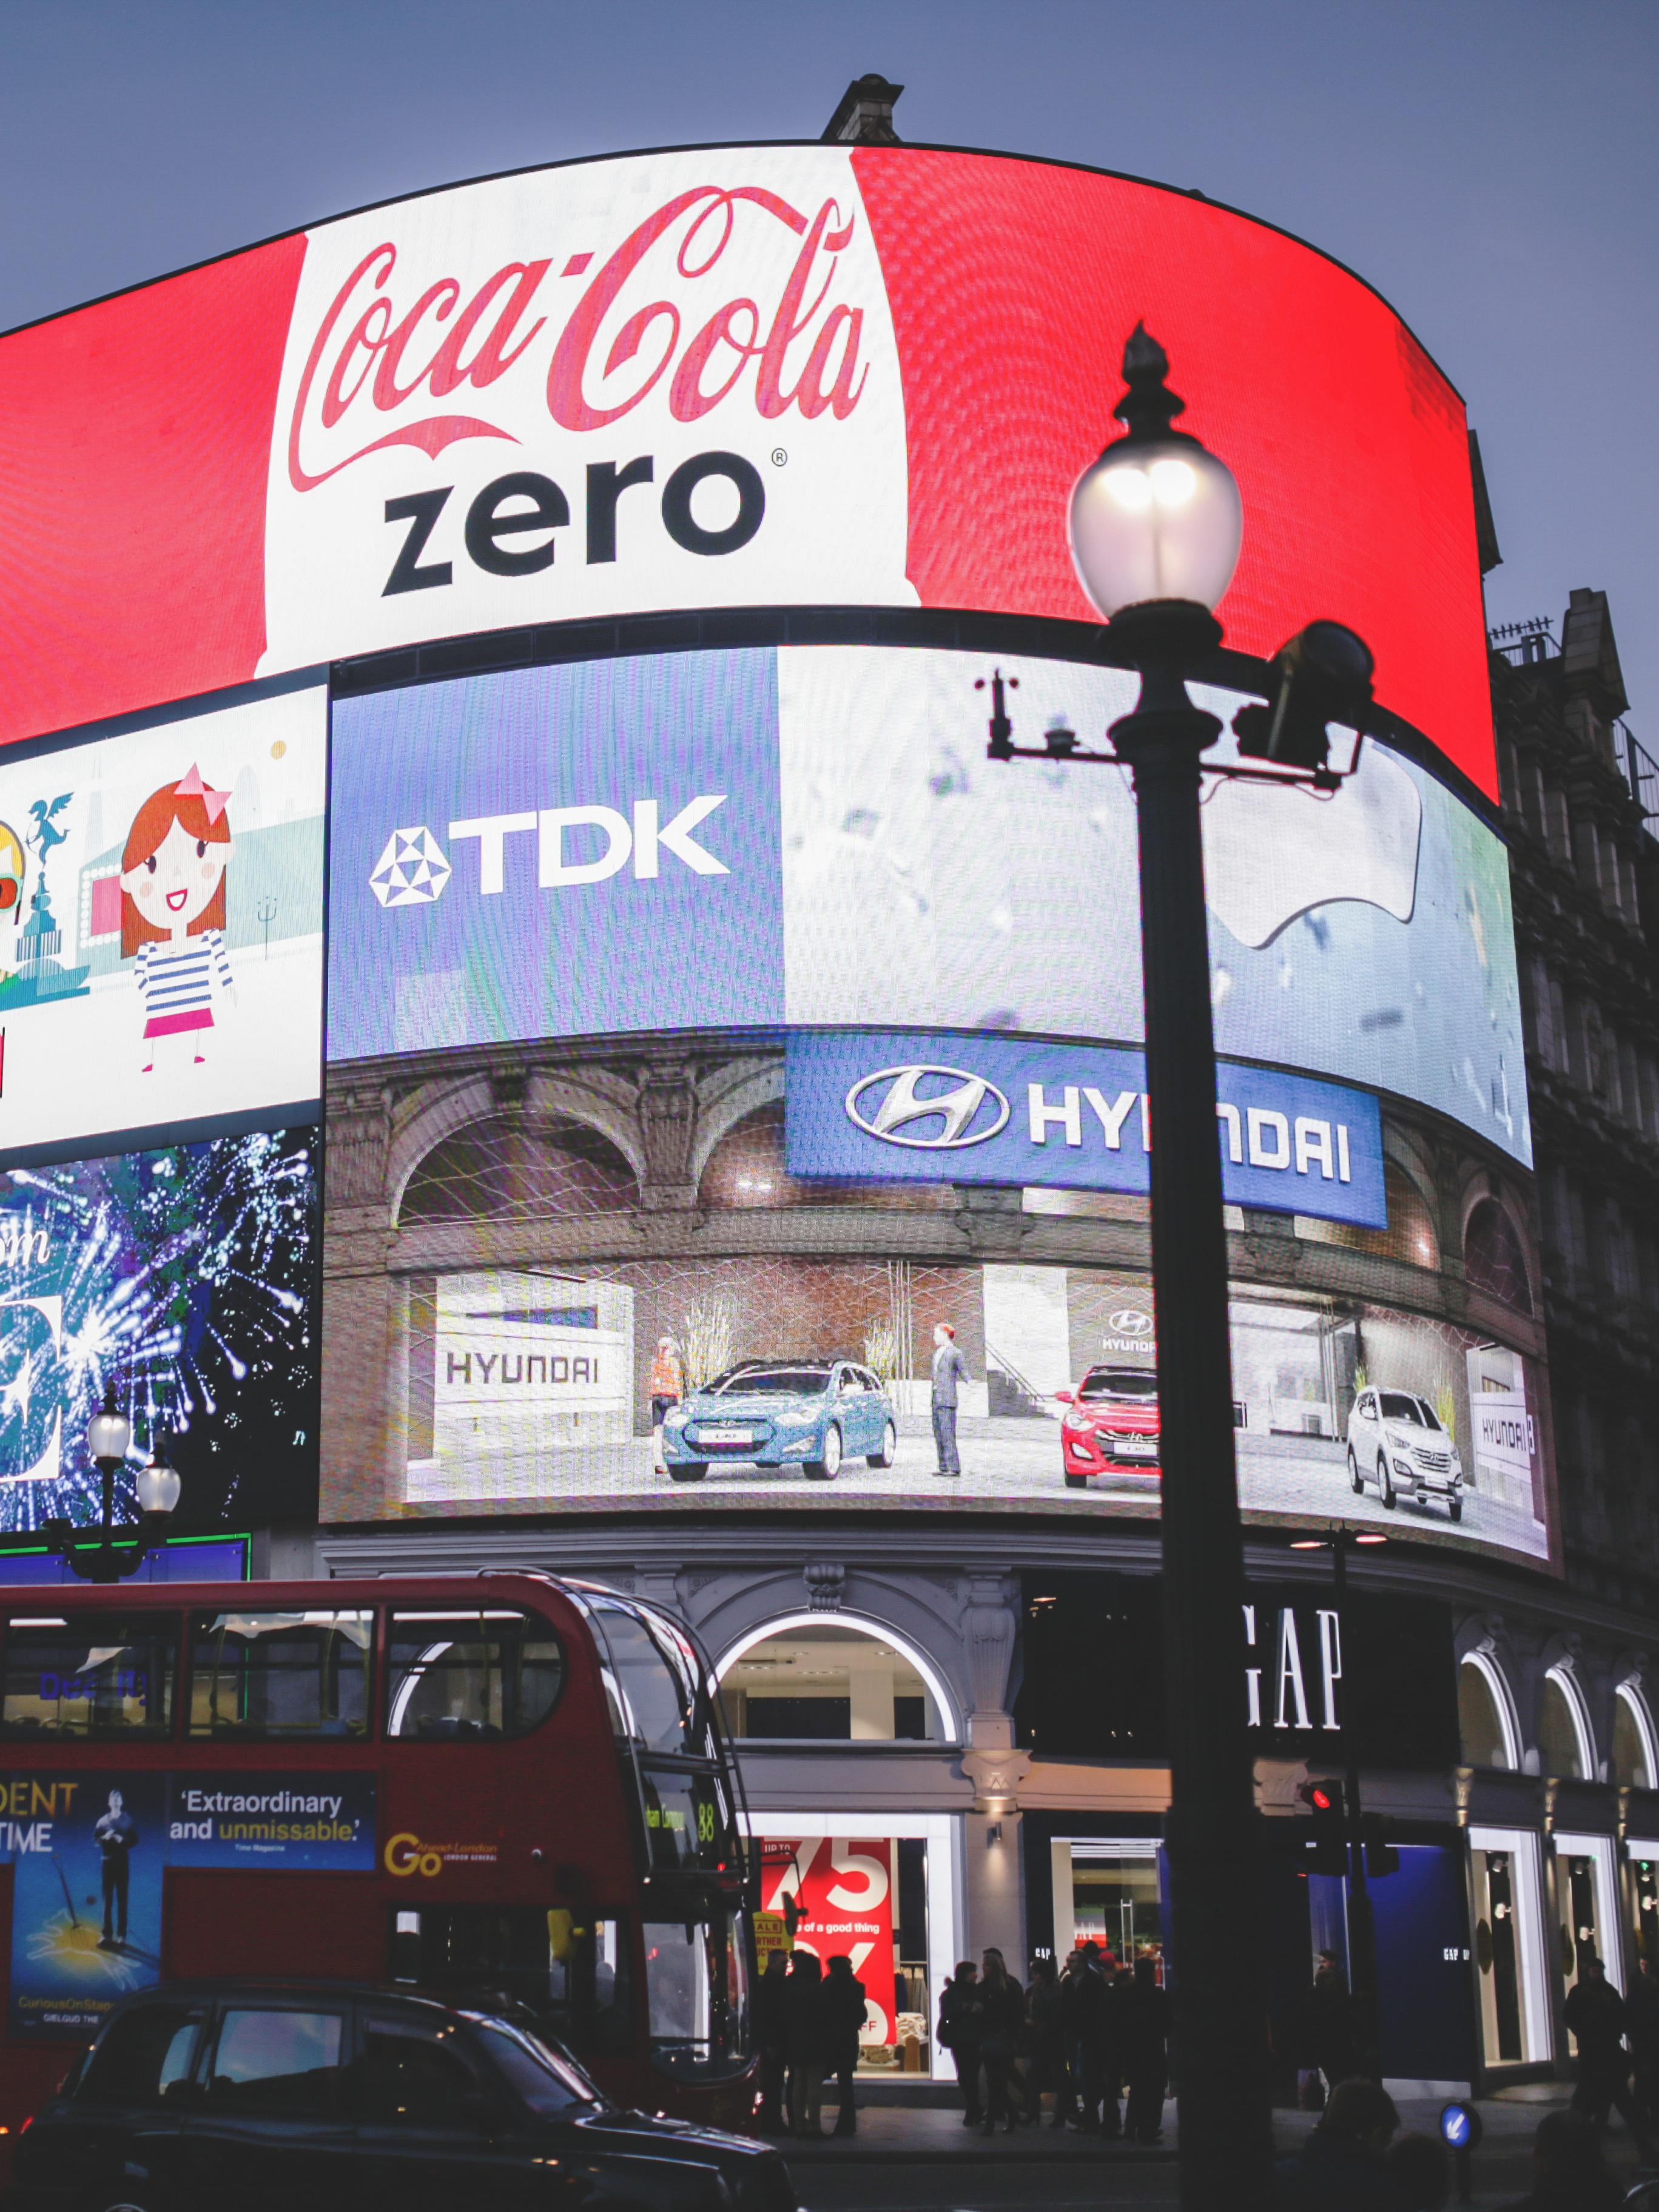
(183, 1278)
(86, 1853)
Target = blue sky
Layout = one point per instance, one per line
(1490, 165)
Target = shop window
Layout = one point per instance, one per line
(829, 1683)
(746, 1168)
(509, 1169)
(1107, 1893)
(1499, 1899)
(1632, 1756)
(104, 1673)
(865, 1898)
(1643, 1894)
(302, 1674)
(1480, 1720)
(1494, 1259)
(452, 1675)
(1586, 1895)
(1561, 1748)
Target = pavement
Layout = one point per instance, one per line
(921, 2158)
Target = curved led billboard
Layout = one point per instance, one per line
(758, 375)
(719, 1041)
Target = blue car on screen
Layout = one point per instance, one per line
(810, 1414)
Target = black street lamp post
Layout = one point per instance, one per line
(1156, 525)
(109, 1434)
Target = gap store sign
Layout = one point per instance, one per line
(923, 1106)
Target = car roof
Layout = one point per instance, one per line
(200, 1989)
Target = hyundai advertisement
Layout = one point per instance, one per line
(737, 1096)
(795, 1383)
(869, 1105)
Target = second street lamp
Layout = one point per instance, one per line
(1156, 526)
(109, 1436)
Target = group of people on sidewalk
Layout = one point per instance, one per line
(1096, 2036)
(807, 2019)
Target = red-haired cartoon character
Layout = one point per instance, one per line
(172, 909)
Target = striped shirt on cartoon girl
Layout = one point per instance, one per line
(173, 916)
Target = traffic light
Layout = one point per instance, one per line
(1381, 1856)
(1328, 1851)
(1324, 675)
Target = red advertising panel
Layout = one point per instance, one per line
(838, 1891)
(812, 375)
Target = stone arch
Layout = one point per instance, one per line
(727, 1099)
(856, 1624)
(1479, 1648)
(1495, 1256)
(1631, 1705)
(1562, 1677)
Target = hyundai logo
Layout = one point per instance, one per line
(966, 1113)
(1129, 1320)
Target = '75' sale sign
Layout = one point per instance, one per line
(839, 1893)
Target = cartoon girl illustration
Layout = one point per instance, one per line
(172, 912)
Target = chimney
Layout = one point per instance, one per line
(865, 117)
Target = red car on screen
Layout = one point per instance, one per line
(1111, 1427)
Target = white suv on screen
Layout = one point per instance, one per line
(1395, 1440)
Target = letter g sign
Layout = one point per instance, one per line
(404, 1856)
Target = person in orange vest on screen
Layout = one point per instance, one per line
(667, 1388)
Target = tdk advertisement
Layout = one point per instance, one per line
(554, 853)
(928, 1106)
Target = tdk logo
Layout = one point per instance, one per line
(573, 845)
(892, 1104)
(411, 871)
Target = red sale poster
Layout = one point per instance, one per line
(838, 1891)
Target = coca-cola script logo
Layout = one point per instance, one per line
(375, 353)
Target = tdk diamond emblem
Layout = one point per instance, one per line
(411, 871)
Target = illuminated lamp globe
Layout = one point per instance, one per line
(158, 1485)
(1158, 517)
(108, 1433)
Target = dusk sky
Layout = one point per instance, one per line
(1481, 163)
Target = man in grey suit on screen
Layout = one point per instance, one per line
(950, 1369)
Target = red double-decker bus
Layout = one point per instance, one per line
(504, 1784)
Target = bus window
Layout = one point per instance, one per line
(697, 1978)
(687, 1818)
(452, 1674)
(110, 1673)
(656, 1671)
(570, 1971)
(279, 1673)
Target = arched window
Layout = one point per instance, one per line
(1564, 1743)
(1632, 1740)
(806, 1679)
(1483, 1720)
(746, 1168)
(1494, 1259)
(509, 1169)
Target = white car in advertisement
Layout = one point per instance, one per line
(1398, 1442)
